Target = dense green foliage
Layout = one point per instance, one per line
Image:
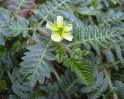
(32, 66)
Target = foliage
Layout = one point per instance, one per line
(3, 50)
(82, 71)
(98, 88)
(37, 62)
(33, 66)
(68, 86)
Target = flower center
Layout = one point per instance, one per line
(61, 29)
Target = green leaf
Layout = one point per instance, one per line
(95, 45)
(24, 33)
(104, 85)
(120, 89)
(87, 11)
(49, 56)
(31, 21)
(34, 79)
(35, 95)
(116, 67)
(2, 41)
(37, 63)
(22, 3)
(59, 55)
(25, 78)
(3, 50)
(95, 95)
(68, 62)
(4, 14)
(118, 51)
(4, 17)
(99, 79)
(14, 28)
(48, 64)
(110, 91)
(109, 55)
(20, 89)
(98, 59)
(97, 37)
(88, 89)
(12, 6)
(106, 3)
(84, 73)
(86, 45)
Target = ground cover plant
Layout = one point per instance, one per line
(61, 49)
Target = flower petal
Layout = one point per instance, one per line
(69, 27)
(59, 20)
(67, 36)
(56, 37)
(51, 26)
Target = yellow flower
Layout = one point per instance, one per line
(60, 30)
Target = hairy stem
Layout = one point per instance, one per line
(106, 73)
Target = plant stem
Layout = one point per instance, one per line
(58, 66)
(57, 76)
(109, 79)
(24, 11)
